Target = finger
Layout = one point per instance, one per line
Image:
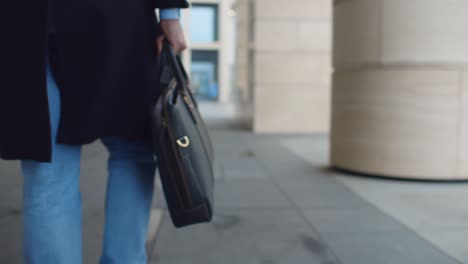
(180, 46)
(159, 43)
(183, 46)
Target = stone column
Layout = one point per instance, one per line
(286, 64)
(400, 88)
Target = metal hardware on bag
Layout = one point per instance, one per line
(183, 142)
(187, 101)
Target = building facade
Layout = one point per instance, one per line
(283, 64)
(210, 29)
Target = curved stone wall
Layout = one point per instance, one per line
(400, 88)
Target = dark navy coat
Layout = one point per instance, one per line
(103, 53)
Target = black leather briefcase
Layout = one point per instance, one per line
(182, 145)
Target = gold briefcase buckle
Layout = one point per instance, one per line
(183, 142)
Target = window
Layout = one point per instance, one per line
(204, 23)
(204, 81)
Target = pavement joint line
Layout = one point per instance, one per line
(298, 209)
(408, 228)
(373, 205)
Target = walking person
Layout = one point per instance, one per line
(73, 72)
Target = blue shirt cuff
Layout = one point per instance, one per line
(169, 13)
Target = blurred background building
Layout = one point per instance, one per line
(210, 27)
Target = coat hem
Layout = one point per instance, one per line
(12, 157)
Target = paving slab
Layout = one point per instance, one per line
(11, 238)
(454, 242)
(244, 236)
(11, 184)
(10, 212)
(243, 168)
(254, 193)
(389, 247)
(93, 233)
(360, 219)
(308, 194)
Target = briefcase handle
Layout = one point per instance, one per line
(177, 69)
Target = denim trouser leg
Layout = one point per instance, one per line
(131, 169)
(52, 200)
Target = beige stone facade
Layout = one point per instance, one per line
(283, 64)
(400, 94)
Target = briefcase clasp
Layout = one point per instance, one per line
(183, 142)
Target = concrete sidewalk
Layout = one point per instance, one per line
(277, 202)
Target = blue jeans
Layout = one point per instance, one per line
(52, 200)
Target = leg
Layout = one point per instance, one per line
(129, 195)
(51, 199)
